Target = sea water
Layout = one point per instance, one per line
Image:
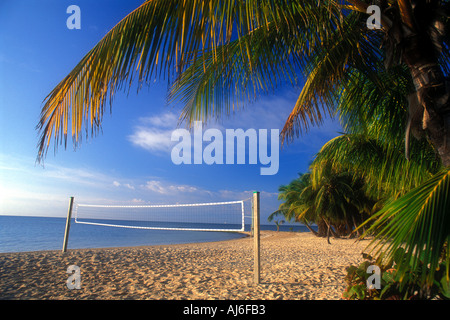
(23, 233)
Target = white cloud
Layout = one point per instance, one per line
(165, 188)
(29, 190)
(126, 185)
(138, 201)
(165, 120)
(155, 132)
(197, 194)
(151, 139)
(129, 186)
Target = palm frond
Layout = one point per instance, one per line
(329, 67)
(378, 109)
(247, 67)
(132, 47)
(162, 38)
(419, 222)
(255, 63)
(156, 40)
(383, 166)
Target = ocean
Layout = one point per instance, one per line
(23, 233)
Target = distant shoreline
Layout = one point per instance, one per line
(25, 234)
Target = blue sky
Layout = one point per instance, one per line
(129, 162)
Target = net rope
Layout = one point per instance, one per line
(213, 216)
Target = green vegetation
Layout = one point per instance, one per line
(335, 201)
(368, 185)
(387, 87)
(394, 285)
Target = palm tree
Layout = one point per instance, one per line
(297, 205)
(339, 199)
(219, 54)
(409, 188)
(335, 201)
(278, 223)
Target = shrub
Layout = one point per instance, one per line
(392, 287)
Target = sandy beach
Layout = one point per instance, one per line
(294, 266)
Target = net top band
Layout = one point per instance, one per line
(159, 205)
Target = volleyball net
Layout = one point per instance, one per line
(215, 216)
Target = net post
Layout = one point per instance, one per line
(252, 229)
(256, 244)
(66, 233)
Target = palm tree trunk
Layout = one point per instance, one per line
(431, 91)
(355, 225)
(328, 235)
(321, 228)
(328, 231)
(311, 229)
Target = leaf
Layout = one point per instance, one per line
(362, 270)
(388, 277)
(351, 270)
(383, 165)
(399, 255)
(367, 256)
(445, 287)
(386, 288)
(419, 222)
(360, 291)
(345, 50)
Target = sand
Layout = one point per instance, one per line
(294, 266)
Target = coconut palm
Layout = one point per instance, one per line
(278, 223)
(297, 205)
(419, 222)
(220, 54)
(340, 199)
(374, 149)
(413, 199)
(335, 201)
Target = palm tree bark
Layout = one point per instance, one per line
(328, 234)
(420, 50)
(311, 229)
(431, 91)
(328, 231)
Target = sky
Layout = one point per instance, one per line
(130, 161)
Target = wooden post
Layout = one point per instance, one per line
(66, 233)
(252, 229)
(256, 246)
